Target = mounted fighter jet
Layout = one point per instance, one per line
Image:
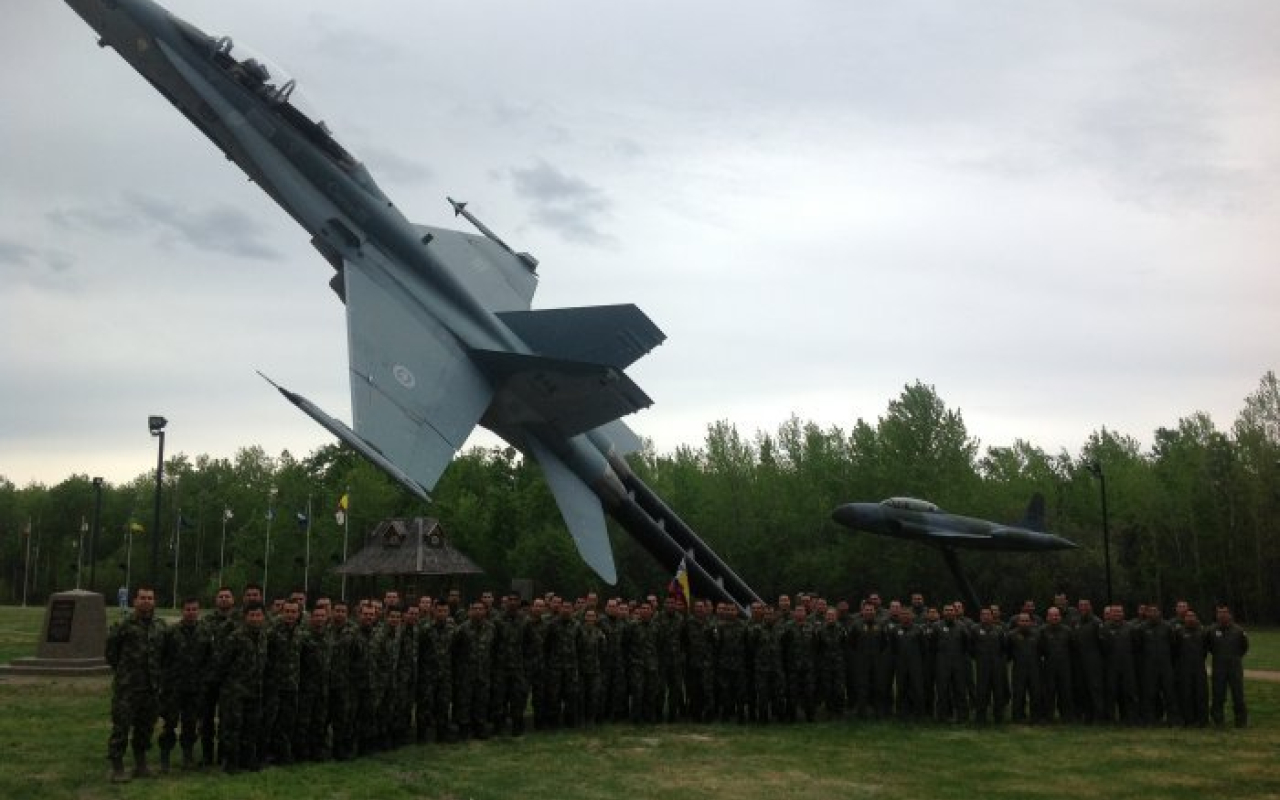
(441, 333)
(922, 521)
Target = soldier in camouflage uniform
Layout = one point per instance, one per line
(402, 647)
(536, 661)
(472, 673)
(799, 647)
(434, 683)
(615, 660)
(642, 666)
(220, 623)
(280, 685)
(591, 648)
(731, 666)
(563, 690)
(314, 659)
(344, 654)
(767, 675)
(133, 651)
(240, 702)
(669, 627)
(700, 662)
(368, 680)
(830, 661)
(513, 646)
(185, 655)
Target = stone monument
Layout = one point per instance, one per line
(73, 639)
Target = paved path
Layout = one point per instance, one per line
(1262, 675)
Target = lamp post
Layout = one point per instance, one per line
(1095, 467)
(156, 424)
(93, 537)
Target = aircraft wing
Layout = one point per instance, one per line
(415, 395)
(499, 279)
(944, 535)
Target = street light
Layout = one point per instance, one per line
(1095, 467)
(156, 424)
(93, 537)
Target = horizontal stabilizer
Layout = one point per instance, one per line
(566, 397)
(613, 335)
(581, 511)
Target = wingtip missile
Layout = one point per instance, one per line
(350, 437)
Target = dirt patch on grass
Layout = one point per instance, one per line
(1270, 676)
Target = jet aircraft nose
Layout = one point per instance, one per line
(114, 19)
(859, 516)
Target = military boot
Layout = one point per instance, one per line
(140, 765)
(164, 760)
(118, 774)
(188, 757)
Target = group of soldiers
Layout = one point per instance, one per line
(257, 685)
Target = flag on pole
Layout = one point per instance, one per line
(227, 515)
(679, 586)
(136, 527)
(301, 518)
(341, 514)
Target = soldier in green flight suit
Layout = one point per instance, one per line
(987, 646)
(133, 652)
(909, 652)
(830, 662)
(184, 658)
(1228, 644)
(1192, 681)
(1024, 658)
(951, 650)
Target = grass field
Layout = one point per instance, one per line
(53, 735)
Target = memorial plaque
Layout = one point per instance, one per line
(62, 613)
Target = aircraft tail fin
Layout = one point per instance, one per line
(581, 510)
(1033, 520)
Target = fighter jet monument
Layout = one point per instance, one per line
(923, 522)
(441, 333)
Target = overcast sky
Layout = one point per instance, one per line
(1062, 215)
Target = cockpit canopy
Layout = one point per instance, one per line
(910, 504)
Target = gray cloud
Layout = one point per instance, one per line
(37, 267)
(565, 203)
(217, 229)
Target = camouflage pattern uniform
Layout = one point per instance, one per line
(591, 649)
(642, 670)
(133, 651)
(768, 690)
(562, 688)
(472, 677)
(219, 628)
(240, 701)
(731, 667)
(345, 654)
(185, 658)
(514, 643)
(434, 684)
(799, 647)
(669, 630)
(280, 692)
(700, 673)
(315, 654)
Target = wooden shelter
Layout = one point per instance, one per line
(410, 552)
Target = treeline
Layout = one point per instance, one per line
(1194, 517)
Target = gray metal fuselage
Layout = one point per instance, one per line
(331, 195)
(940, 529)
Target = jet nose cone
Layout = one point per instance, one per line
(91, 11)
(1065, 544)
(851, 515)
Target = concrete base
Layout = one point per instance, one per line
(55, 667)
(72, 639)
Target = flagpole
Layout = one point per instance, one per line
(222, 545)
(128, 559)
(26, 565)
(266, 557)
(346, 530)
(306, 564)
(177, 555)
